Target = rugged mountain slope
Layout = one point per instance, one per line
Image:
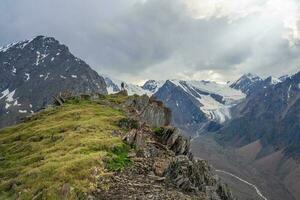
(272, 115)
(32, 71)
(153, 85)
(247, 83)
(269, 119)
(198, 105)
(84, 157)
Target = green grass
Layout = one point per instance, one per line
(60, 146)
(118, 158)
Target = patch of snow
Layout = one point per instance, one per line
(41, 76)
(7, 47)
(288, 92)
(10, 96)
(16, 103)
(4, 93)
(63, 77)
(274, 80)
(27, 76)
(19, 45)
(52, 59)
(47, 76)
(14, 70)
(7, 106)
(22, 111)
(74, 76)
(58, 54)
(30, 105)
(40, 58)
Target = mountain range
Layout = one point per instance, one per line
(261, 116)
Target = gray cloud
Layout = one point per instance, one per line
(137, 40)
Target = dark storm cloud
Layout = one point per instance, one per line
(137, 38)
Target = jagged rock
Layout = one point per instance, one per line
(196, 175)
(135, 138)
(174, 141)
(149, 110)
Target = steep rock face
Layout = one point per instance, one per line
(149, 110)
(33, 71)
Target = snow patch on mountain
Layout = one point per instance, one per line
(215, 100)
(4, 93)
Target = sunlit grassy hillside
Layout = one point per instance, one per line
(58, 152)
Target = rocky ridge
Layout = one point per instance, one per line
(162, 164)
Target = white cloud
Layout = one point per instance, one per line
(156, 39)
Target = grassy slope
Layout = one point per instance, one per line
(60, 147)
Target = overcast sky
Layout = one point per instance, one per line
(136, 40)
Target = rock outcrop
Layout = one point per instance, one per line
(162, 164)
(149, 110)
(163, 168)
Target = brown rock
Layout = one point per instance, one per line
(160, 166)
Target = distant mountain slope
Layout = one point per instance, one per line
(198, 104)
(271, 115)
(32, 71)
(153, 85)
(247, 83)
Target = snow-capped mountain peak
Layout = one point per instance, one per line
(272, 80)
(247, 83)
(153, 85)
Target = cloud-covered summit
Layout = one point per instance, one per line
(137, 40)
